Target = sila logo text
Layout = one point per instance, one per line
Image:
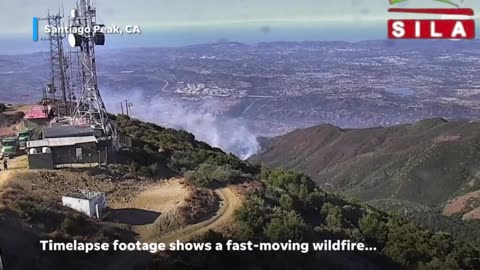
(453, 23)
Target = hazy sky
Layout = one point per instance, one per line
(16, 14)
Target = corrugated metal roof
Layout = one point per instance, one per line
(71, 141)
(67, 131)
(38, 143)
(56, 142)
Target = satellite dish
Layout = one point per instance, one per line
(74, 40)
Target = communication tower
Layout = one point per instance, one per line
(59, 78)
(90, 109)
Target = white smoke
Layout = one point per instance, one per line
(229, 134)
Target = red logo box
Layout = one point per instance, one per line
(432, 28)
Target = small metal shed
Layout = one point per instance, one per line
(92, 204)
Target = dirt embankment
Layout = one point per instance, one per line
(159, 197)
(229, 203)
(52, 185)
(167, 197)
(468, 204)
(150, 212)
(4, 177)
(157, 214)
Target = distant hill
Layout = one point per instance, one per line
(426, 164)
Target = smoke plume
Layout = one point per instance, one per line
(229, 134)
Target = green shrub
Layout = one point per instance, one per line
(287, 202)
(30, 208)
(208, 175)
(284, 226)
(73, 224)
(254, 213)
(373, 228)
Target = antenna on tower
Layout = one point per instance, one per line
(90, 107)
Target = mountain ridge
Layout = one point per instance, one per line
(405, 162)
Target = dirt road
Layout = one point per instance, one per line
(229, 203)
(4, 178)
(160, 197)
(18, 163)
(147, 208)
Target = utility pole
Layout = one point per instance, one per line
(130, 105)
(121, 106)
(127, 108)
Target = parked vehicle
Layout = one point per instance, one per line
(10, 147)
(23, 137)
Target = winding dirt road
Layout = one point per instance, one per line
(229, 203)
(161, 198)
(165, 198)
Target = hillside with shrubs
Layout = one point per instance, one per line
(290, 206)
(278, 206)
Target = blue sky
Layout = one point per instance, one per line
(185, 22)
(168, 14)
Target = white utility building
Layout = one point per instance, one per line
(92, 204)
